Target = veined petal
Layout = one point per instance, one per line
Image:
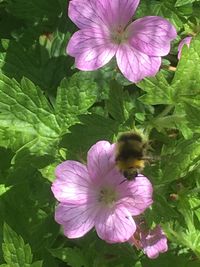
(113, 178)
(152, 35)
(115, 225)
(117, 13)
(186, 41)
(92, 48)
(85, 13)
(73, 183)
(154, 242)
(76, 220)
(90, 13)
(100, 159)
(136, 195)
(136, 65)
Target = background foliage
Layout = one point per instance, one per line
(49, 112)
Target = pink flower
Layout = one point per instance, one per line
(106, 31)
(186, 41)
(93, 196)
(154, 242)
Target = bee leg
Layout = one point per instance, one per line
(123, 181)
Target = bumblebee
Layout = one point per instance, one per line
(130, 154)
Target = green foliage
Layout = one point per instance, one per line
(50, 112)
(166, 9)
(184, 2)
(75, 97)
(26, 117)
(16, 252)
(73, 256)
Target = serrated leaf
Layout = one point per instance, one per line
(184, 2)
(162, 8)
(58, 44)
(191, 113)
(186, 79)
(185, 208)
(48, 172)
(16, 252)
(40, 64)
(73, 256)
(158, 90)
(115, 103)
(185, 158)
(74, 97)
(18, 61)
(167, 121)
(27, 120)
(191, 104)
(195, 205)
(91, 129)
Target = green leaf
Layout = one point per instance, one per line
(26, 117)
(158, 90)
(4, 189)
(17, 62)
(184, 2)
(186, 79)
(73, 256)
(161, 208)
(91, 129)
(191, 104)
(185, 159)
(191, 113)
(29, 123)
(30, 203)
(16, 252)
(115, 103)
(34, 9)
(74, 97)
(45, 64)
(167, 259)
(58, 44)
(162, 8)
(36, 264)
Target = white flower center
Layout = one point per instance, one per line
(107, 196)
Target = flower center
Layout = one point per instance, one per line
(120, 35)
(107, 196)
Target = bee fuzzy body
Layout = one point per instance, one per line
(130, 154)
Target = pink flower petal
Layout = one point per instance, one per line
(117, 13)
(113, 178)
(154, 242)
(72, 183)
(135, 65)
(152, 35)
(89, 13)
(115, 225)
(100, 159)
(77, 220)
(186, 41)
(91, 48)
(85, 13)
(136, 195)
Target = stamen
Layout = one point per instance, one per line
(107, 196)
(119, 35)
